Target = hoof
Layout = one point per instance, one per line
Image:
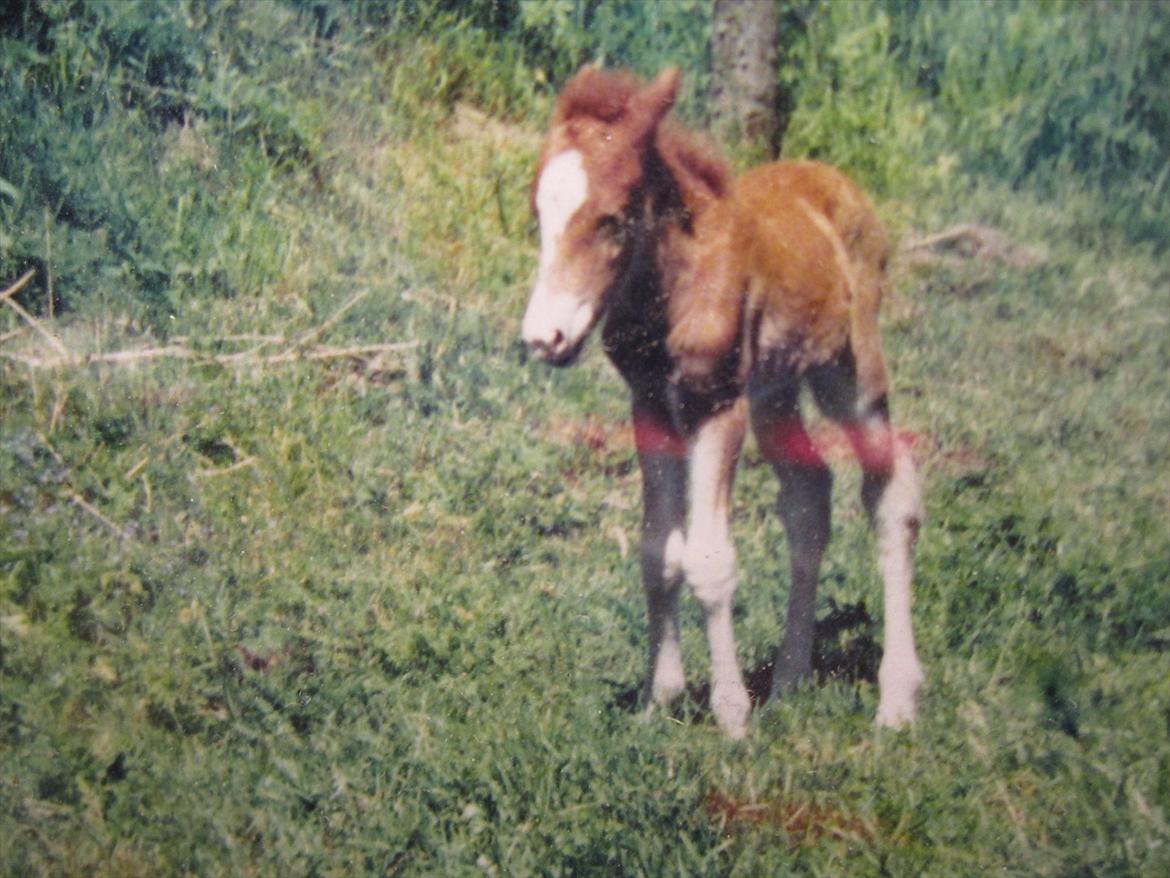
(731, 706)
(895, 716)
(900, 682)
(667, 686)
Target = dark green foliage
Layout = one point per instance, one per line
(1056, 90)
(132, 137)
(1042, 95)
(140, 142)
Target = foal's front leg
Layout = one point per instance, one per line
(662, 459)
(709, 556)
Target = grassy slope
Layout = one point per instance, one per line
(377, 616)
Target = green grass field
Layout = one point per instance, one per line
(324, 578)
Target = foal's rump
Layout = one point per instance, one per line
(816, 269)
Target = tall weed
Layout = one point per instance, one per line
(854, 104)
(1039, 94)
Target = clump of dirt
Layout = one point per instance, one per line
(803, 823)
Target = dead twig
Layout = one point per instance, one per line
(971, 241)
(180, 352)
(19, 285)
(6, 297)
(14, 333)
(333, 320)
(211, 473)
(122, 533)
(118, 357)
(136, 469)
(324, 353)
(293, 351)
(240, 461)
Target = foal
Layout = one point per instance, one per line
(719, 298)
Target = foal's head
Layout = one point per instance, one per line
(585, 195)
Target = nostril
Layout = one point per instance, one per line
(549, 346)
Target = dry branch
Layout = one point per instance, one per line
(971, 241)
(119, 532)
(6, 298)
(13, 333)
(212, 472)
(293, 351)
(327, 353)
(181, 352)
(316, 331)
(19, 285)
(123, 533)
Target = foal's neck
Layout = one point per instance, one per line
(662, 227)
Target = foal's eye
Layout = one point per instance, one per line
(611, 227)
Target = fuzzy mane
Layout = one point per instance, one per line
(689, 157)
(597, 94)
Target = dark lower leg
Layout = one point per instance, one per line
(804, 508)
(664, 498)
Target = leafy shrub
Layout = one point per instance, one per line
(137, 146)
(143, 144)
(915, 96)
(1051, 87)
(502, 54)
(645, 37)
(853, 104)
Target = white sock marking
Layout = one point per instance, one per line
(709, 562)
(900, 675)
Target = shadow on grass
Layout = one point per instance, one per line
(843, 649)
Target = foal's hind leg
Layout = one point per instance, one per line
(805, 488)
(892, 499)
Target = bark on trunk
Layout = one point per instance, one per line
(744, 88)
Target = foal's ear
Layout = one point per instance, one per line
(650, 105)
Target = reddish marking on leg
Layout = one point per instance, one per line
(874, 448)
(651, 436)
(877, 456)
(789, 442)
(908, 439)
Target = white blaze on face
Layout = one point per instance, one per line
(557, 318)
(562, 189)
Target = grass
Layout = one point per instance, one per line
(380, 614)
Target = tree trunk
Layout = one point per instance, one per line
(745, 92)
